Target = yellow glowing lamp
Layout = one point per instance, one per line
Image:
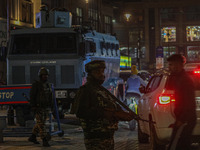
(127, 16)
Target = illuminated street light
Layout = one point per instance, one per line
(86, 9)
(127, 15)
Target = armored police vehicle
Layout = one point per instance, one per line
(62, 49)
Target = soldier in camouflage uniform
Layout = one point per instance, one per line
(97, 110)
(41, 101)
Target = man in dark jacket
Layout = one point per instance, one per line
(41, 101)
(185, 109)
(97, 110)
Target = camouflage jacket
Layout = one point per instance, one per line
(89, 106)
(41, 95)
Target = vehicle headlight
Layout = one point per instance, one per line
(72, 94)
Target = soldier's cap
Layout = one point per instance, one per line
(177, 58)
(43, 71)
(94, 65)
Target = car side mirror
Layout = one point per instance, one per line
(142, 89)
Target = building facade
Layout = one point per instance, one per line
(172, 25)
(16, 14)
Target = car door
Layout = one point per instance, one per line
(148, 100)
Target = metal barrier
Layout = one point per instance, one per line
(19, 96)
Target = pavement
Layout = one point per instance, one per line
(71, 140)
(16, 137)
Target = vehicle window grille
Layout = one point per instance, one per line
(18, 75)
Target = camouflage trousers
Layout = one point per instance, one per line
(40, 127)
(99, 143)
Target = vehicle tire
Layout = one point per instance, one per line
(154, 140)
(142, 137)
(132, 124)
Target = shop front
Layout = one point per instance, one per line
(193, 53)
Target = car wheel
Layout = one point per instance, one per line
(132, 124)
(142, 137)
(154, 140)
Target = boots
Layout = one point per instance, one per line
(45, 142)
(33, 139)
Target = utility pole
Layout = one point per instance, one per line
(8, 19)
(86, 10)
(138, 51)
(168, 35)
(128, 15)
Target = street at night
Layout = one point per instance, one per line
(122, 69)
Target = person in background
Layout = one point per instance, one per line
(133, 84)
(185, 109)
(98, 112)
(41, 101)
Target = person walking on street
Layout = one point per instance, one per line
(185, 109)
(98, 112)
(41, 101)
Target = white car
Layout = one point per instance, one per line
(157, 105)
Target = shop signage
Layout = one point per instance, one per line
(159, 57)
(159, 51)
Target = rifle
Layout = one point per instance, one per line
(135, 116)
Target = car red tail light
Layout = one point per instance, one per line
(164, 99)
(197, 72)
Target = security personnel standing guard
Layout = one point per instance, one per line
(41, 101)
(97, 111)
(185, 109)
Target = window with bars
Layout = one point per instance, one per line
(93, 18)
(27, 12)
(168, 14)
(108, 24)
(14, 9)
(191, 13)
(3, 10)
(79, 16)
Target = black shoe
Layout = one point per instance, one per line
(45, 143)
(33, 139)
